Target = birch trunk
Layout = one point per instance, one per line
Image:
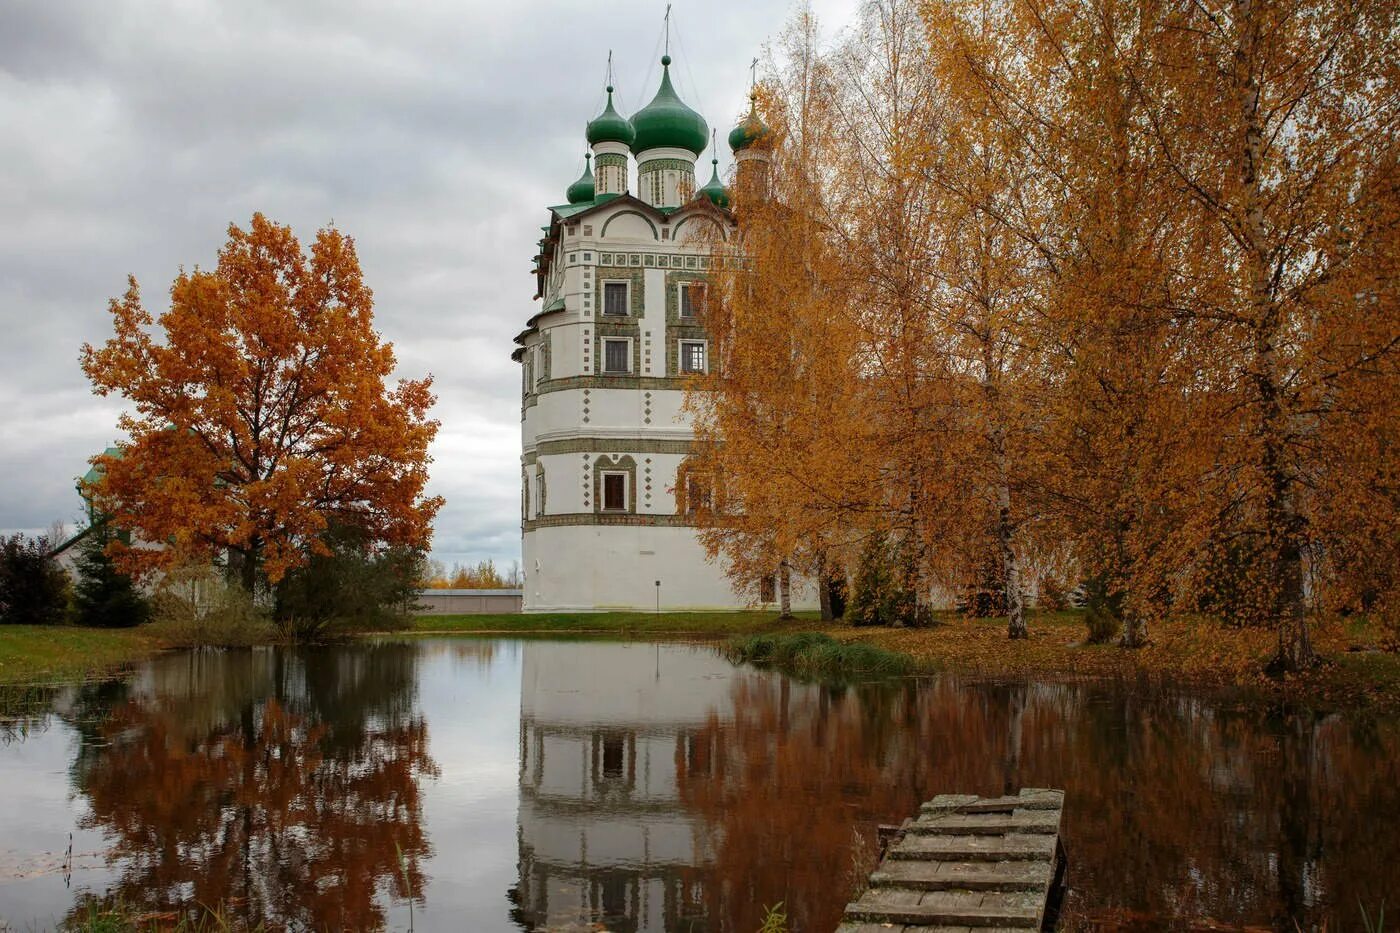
(784, 590)
(1283, 524)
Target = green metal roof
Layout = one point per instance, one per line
(667, 121)
(94, 473)
(565, 211)
(555, 305)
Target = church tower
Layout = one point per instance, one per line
(607, 500)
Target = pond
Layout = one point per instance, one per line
(505, 785)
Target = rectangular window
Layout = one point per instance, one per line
(697, 493)
(692, 299)
(692, 356)
(612, 756)
(614, 492)
(617, 356)
(615, 298)
(767, 590)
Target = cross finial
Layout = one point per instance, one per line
(668, 29)
(753, 73)
(610, 80)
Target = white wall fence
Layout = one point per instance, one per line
(467, 602)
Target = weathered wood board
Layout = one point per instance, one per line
(967, 863)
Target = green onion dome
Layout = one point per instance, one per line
(610, 126)
(750, 130)
(666, 122)
(582, 190)
(714, 188)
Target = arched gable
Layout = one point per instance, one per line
(630, 224)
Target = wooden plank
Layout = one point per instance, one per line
(1026, 800)
(982, 824)
(972, 876)
(1012, 847)
(950, 801)
(950, 908)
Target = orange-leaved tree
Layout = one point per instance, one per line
(263, 416)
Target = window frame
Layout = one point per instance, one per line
(625, 341)
(704, 345)
(684, 298)
(603, 506)
(705, 485)
(626, 287)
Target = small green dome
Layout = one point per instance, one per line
(714, 188)
(610, 126)
(667, 122)
(750, 129)
(582, 190)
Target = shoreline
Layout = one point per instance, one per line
(1189, 654)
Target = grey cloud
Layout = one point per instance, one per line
(434, 133)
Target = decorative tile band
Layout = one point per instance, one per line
(608, 445)
(607, 518)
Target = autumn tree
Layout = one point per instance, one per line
(263, 415)
(1270, 117)
(778, 429)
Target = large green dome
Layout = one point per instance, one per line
(750, 130)
(610, 126)
(667, 122)
(582, 190)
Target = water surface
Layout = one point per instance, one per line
(499, 785)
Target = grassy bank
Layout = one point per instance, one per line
(818, 655)
(611, 623)
(48, 653)
(1187, 651)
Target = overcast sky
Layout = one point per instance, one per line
(132, 132)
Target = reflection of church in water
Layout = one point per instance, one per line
(609, 734)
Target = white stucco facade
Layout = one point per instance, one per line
(605, 359)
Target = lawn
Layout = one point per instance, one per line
(50, 653)
(718, 624)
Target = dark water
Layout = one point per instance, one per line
(507, 785)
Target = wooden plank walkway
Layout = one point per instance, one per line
(968, 863)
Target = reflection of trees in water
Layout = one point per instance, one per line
(1176, 807)
(280, 784)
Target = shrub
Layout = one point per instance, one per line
(197, 607)
(878, 596)
(814, 654)
(33, 589)
(1054, 594)
(1103, 610)
(102, 596)
(358, 587)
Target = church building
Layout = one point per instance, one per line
(620, 276)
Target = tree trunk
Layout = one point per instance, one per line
(1006, 530)
(784, 590)
(1011, 566)
(824, 592)
(248, 568)
(1283, 524)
